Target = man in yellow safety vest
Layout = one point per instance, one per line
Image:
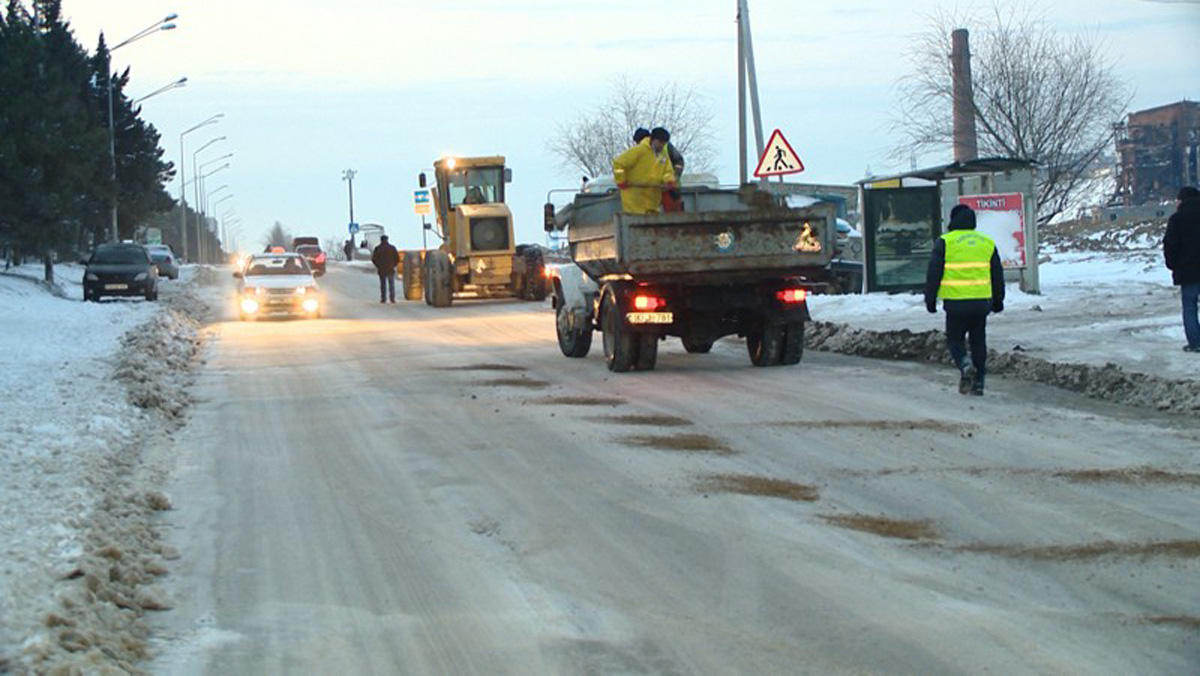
(965, 272)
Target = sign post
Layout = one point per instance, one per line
(778, 158)
(423, 206)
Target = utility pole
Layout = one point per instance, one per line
(746, 76)
(348, 176)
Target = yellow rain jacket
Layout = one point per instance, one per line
(645, 171)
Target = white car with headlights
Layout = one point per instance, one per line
(277, 284)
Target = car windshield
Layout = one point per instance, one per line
(118, 255)
(286, 265)
(308, 249)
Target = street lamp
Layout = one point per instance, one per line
(165, 88)
(198, 179)
(183, 180)
(163, 24)
(348, 176)
(201, 243)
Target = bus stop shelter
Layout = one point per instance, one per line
(903, 214)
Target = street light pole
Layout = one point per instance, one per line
(162, 24)
(348, 176)
(183, 225)
(202, 242)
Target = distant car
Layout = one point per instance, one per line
(315, 257)
(277, 284)
(119, 270)
(164, 259)
(849, 241)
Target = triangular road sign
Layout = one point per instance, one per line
(778, 158)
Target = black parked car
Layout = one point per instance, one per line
(120, 270)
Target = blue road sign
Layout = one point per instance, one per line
(353, 228)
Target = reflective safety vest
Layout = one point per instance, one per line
(968, 271)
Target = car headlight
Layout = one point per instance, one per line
(140, 276)
(249, 306)
(310, 305)
(91, 277)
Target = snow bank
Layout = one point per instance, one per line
(88, 388)
(1107, 324)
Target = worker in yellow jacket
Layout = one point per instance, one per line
(966, 273)
(643, 172)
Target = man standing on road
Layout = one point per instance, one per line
(348, 249)
(642, 172)
(965, 272)
(1181, 249)
(386, 258)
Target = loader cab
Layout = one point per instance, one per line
(469, 197)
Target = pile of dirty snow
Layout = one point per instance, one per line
(90, 389)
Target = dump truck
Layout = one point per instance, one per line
(478, 257)
(735, 261)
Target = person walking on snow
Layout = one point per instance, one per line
(965, 272)
(386, 258)
(642, 172)
(1181, 249)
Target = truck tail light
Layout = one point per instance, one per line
(648, 303)
(791, 295)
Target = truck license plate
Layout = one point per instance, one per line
(650, 317)
(115, 287)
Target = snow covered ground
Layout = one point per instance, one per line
(90, 390)
(1095, 307)
(78, 408)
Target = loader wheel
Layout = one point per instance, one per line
(765, 345)
(438, 279)
(793, 343)
(619, 342)
(573, 341)
(694, 346)
(411, 278)
(534, 286)
(647, 351)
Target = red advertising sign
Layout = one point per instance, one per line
(1001, 217)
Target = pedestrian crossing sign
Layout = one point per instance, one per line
(778, 158)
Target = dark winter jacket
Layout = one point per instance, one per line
(1181, 245)
(386, 258)
(933, 280)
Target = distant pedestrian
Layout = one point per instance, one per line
(965, 272)
(1181, 249)
(386, 258)
(348, 249)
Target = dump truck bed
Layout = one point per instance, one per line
(722, 236)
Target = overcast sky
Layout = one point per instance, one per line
(311, 88)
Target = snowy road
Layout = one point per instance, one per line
(371, 493)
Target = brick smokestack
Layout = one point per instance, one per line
(965, 148)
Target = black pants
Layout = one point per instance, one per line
(387, 287)
(963, 326)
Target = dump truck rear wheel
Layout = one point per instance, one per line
(793, 343)
(647, 351)
(410, 279)
(619, 344)
(765, 345)
(574, 342)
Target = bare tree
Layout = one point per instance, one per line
(278, 236)
(1039, 96)
(592, 140)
